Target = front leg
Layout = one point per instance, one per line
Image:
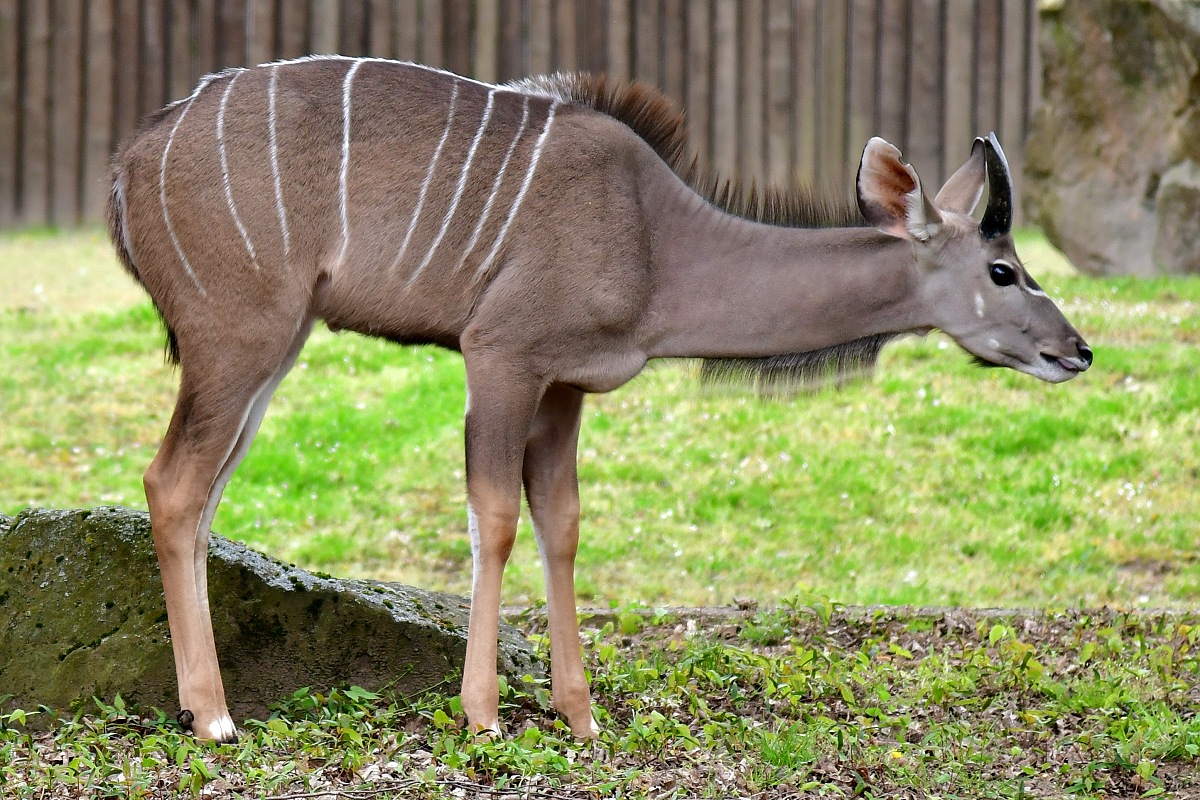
(552, 486)
(501, 404)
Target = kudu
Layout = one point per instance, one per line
(550, 230)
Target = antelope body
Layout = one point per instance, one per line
(551, 231)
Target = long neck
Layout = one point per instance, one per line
(729, 287)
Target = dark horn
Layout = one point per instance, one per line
(997, 218)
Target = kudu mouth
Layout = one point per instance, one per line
(1051, 367)
(1075, 364)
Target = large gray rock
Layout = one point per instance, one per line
(1112, 169)
(82, 615)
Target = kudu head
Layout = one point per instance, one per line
(973, 284)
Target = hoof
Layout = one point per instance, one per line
(488, 733)
(588, 731)
(220, 729)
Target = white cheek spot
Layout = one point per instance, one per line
(979, 309)
(992, 343)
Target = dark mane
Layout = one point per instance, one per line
(653, 117)
(657, 120)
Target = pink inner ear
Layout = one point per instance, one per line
(892, 183)
(885, 188)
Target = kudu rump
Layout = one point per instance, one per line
(554, 231)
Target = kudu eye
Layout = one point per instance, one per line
(1002, 274)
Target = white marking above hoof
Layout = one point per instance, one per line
(220, 730)
(589, 731)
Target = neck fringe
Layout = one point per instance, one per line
(654, 118)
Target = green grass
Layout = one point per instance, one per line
(802, 701)
(935, 483)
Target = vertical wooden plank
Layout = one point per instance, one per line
(1012, 94)
(231, 36)
(487, 39)
(987, 58)
(541, 36)
(753, 68)
(831, 88)
(592, 35)
(893, 71)
(354, 38)
(35, 121)
(1033, 62)
(10, 112)
(326, 26)
(806, 46)
(862, 89)
(512, 46)
(293, 29)
(779, 91)
(458, 36)
(699, 72)
(925, 107)
(957, 129)
(261, 44)
(433, 39)
(673, 57)
(205, 29)
(66, 98)
(180, 73)
(380, 37)
(647, 42)
(126, 36)
(723, 99)
(98, 144)
(566, 50)
(153, 90)
(620, 40)
(406, 20)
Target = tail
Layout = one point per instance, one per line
(118, 232)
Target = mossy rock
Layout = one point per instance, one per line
(1111, 160)
(82, 615)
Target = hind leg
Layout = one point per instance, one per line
(552, 488)
(254, 417)
(221, 404)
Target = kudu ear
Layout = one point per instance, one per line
(997, 217)
(963, 190)
(890, 194)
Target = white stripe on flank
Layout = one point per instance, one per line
(225, 169)
(334, 57)
(462, 185)
(437, 154)
(487, 207)
(162, 191)
(345, 170)
(271, 119)
(516, 206)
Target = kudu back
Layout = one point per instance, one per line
(555, 232)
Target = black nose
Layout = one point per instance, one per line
(1085, 353)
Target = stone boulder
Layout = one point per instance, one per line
(1112, 171)
(82, 615)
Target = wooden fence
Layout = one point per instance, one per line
(772, 88)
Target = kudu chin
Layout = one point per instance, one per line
(557, 233)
